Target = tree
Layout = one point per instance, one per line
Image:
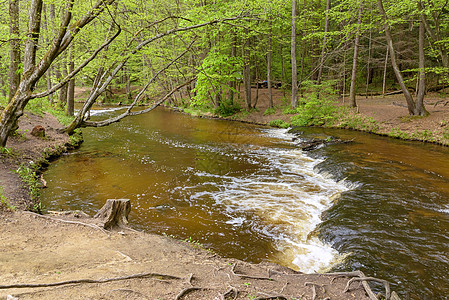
(14, 56)
(352, 101)
(294, 101)
(415, 108)
(34, 71)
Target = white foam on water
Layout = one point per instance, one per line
(290, 205)
(98, 112)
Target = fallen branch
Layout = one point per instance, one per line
(67, 221)
(38, 285)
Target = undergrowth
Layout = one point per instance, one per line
(4, 201)
(30, 178)
(40, 107)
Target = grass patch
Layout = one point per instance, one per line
(270, 111)
(279, 123)
(40, 107)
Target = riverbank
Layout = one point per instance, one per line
(386, 116)
(67, 256)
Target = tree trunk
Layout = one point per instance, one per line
(63, 92)
(71, 87)
(420, 109)
(247, 57)
(114, 213)
(352, 102)
(408, 97)
(32, 72)
(270, 92)
(323, 49)
(294, 101)
(233, 83)
(384, 81)
(14, 53)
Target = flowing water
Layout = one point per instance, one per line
(248, 192)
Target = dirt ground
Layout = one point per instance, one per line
(91, 263)
(390, 112)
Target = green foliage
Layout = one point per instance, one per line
(279, 123)
(31, 180)
(357, 122)
(228, 108)
(215, 73)
(397, 133)
(40, 107)
(270, 111)
(7, 152)
(4, 201)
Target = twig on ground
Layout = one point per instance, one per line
(67, 221)
(77, 281)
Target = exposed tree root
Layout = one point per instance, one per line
(186, 291)
(38, 285)
(364, 279)
(230, 294)
(248, 276)
(277, 297)
(359, 276)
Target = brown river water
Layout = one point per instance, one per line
(248, 192)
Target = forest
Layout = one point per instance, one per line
(312, 198)
(209, 53)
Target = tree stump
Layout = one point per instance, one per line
(114, 213)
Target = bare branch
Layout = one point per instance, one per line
(135, 113)
(78, 69)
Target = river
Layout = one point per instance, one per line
(248, 192)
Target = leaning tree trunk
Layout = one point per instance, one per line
(32, 71)
(411, 105)
(323, 49)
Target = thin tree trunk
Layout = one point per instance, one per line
(368, 68)
(270, 92)
(352, 101)
(247, 58)
(63, 92)
(384, 82)
(71, 87)
(294, 101)
(303, 51)
(14, 53)
(408, 97)
(233, 83)
(420, 109)
(323, 49)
